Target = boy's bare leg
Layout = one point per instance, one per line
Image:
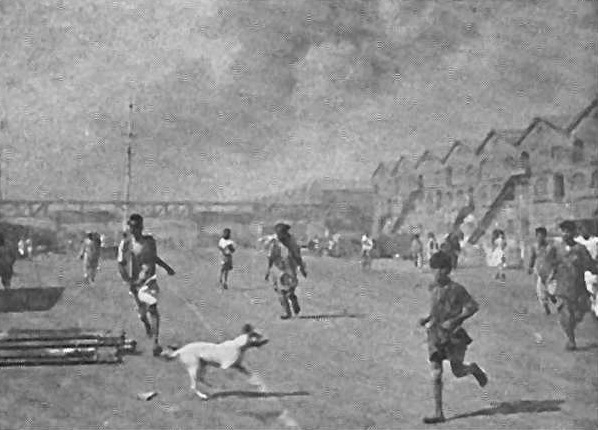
(461, 369)
(155, 317)
(567, 323)
(438, 416)
(286, 307)
(142, 311)
(223, 278)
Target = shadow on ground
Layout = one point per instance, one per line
(257, 394)
(588, 347)
(330, 316)
(516, 407)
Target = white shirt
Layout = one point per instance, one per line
(591, 244)
(223, 244)
(366, 243)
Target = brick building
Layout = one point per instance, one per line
(513, 179)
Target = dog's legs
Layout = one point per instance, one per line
(192, 369)
(202, 373)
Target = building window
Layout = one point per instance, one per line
(449, 176)
(578, 181)
(524, 161)
(438, 199)
(594, 183)
(577, 156)
(559, 186)
(541, 187)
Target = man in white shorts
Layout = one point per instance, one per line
(140, 250)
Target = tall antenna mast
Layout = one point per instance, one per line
(3, 126)
(128, 163)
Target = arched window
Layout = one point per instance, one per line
(559, 186)
(577, 156)
(449, 176)
(449, 198)
(438, 199)
(524, 161)
(594, 182)
(541, 186)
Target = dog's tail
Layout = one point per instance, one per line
(169, 353)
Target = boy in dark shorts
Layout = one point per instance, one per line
(451, 304)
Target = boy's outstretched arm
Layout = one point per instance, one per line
(165, 266)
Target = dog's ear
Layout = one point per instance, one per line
(247, 328)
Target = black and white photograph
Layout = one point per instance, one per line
(299, 214)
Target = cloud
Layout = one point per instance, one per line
(237, 97)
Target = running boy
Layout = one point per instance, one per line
(451, 304)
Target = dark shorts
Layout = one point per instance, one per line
(227, 262)
(451, 347)
(577, 308)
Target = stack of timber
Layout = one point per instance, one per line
(62, 347)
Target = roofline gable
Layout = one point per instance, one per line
(581, 116)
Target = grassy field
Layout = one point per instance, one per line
(354, 360)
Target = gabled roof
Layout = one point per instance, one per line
(581, 116)
(456, 144)
(379, 170)
(535, 122)
(559, 121)
(426, 156)
(397, 165)
(509, 136)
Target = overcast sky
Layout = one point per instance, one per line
(239, 98)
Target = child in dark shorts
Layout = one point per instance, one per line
(451, 304)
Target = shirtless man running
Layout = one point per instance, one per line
(140, 250)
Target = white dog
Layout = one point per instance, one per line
(196, 356)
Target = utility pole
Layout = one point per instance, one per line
(128, 176)
(3, 126)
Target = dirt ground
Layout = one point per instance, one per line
(355, 359)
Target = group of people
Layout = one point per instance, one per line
(422, 254)
(566, 274)
(284, 262)
(566, 277)
(561, 269)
